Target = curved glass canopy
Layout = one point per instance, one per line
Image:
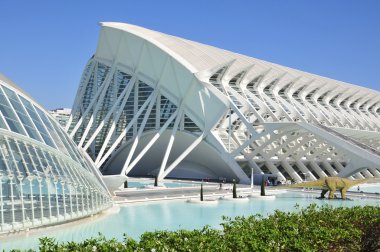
(44, 177)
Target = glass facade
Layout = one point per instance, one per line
(44, 177)
(112, 106)
(143, 89)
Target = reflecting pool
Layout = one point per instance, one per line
(134, 219)
(367, 188)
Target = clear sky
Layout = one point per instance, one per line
(44, 45)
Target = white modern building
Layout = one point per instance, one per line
(154, 104)
(62, 115)
(45, 178)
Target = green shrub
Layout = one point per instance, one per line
(309, 229)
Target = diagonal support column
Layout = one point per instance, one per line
(171, 141)
(152, 141)
(100, 93)
(122, 135)
(123, 96)
(189, 149)
(141, 129)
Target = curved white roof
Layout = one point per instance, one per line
(199, 57)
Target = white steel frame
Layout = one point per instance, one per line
(275, 119)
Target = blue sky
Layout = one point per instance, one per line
(44, 45)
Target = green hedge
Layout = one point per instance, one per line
(310, 229)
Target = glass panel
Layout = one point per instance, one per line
(17, 157)
(37, 122)
(36, 161)
(2, 123)
(26, 156)
(51, 130)
(9, 115)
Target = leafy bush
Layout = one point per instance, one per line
(309, 229)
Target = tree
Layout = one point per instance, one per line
(201, 192)
(262, 186)
(234, 195)
(156, 180)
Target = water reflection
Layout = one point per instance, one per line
(135, 219)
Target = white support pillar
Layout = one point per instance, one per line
(317, 169)
(183, 155)
(123, 96)
(30, 179)
(329, 168)
(141, 129)
(11, 177)
(151, 142)
(20, 178)
(170, 143)
(375, 172)
(56, 197)
(305, 170)
(39, 179)
(338, 165)
(291, 171)
(63, 200)
(80, 94)
(367, 174)
(273, 169)
(101, 92)
(121, 136)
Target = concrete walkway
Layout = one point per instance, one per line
(209, 191)
(132, 195)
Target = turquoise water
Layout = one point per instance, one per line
(134, 219)
(366, 188)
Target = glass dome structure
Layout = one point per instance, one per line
(44, 177)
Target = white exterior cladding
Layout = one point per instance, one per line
(44, 178)
(151, 103)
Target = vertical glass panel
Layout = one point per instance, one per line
(27, 123)
(9, 158)
(55, 168)
(9, 115)
(2, 123)
(36, 160)
(43, 161)
(37, 122)
(3, 167)
(17, 157)
(26, 156)
(69, 171)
